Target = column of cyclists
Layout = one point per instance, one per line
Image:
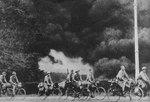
(74, 86)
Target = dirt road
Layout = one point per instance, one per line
(63, 99)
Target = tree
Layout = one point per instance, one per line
(15, 40)
(110, 67)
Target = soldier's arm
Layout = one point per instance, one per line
(93, 77)
(17, 79)
(126, 75)
(117, 76)
(139, 76)
(68, 77)
(45, 79)
(5, 80)
(51, 80)
(1, 80)
(73, 77)
(87, 77)
(11, 80)
(80, 77)
(147, 78)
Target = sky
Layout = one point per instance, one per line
(144, 4)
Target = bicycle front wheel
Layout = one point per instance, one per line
(21, 92)
(57, 92)
(9, 92)
(70, 93)
(99, 93)
(112, 95)
(136, 93)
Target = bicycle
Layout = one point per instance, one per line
(75, 91)
(85, 91)
(97, 92)
(139, 92)
(70, 89)
(6, 90)
(53, 90)
(136, 92)
(41, 90)
(56, 90)
(131, 90)
(19, 90)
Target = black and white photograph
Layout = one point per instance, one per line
(74, 50)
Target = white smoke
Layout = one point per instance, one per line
(64, 63)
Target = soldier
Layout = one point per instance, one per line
(90, 76)
(144, 80)
(3, 82)
(14, 81)
(122, 76)
(77, 78)
(48, 81)
(70, 76)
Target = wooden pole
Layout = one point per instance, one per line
(136, 40)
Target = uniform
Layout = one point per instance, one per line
(77, 79)
(3, 79)
(70, 77)
(14, 81)
(47, 81)
(143, 79)
(90, 77)
(41, 86)
(122, 77)
(3, 83)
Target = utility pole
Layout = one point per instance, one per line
(136, 39)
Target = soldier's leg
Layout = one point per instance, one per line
(14, 87)
(123, 86)
(0, 89)
(124, 83)
(147, 88)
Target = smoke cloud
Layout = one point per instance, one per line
(142, 4)
(63, 63)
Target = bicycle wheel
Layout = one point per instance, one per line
(21, 91)
(136, 93)
(9, 92)
(70, 93)
(48, 92)
(57, 92)
(112, 95)
(99, 93)
(84, 93)
(40, 93)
